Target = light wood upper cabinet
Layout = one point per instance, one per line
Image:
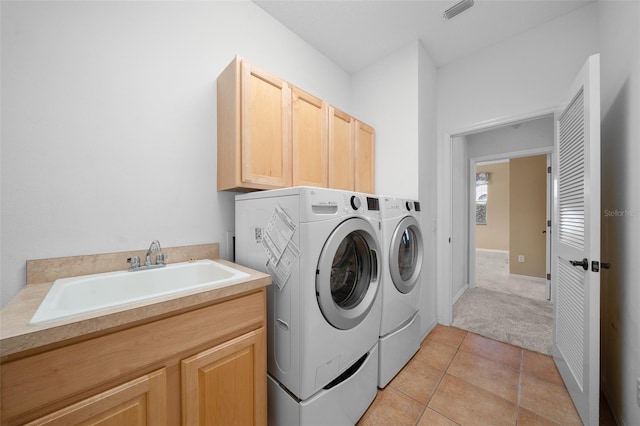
(341, 150)
(309, 140)
(254, 125)
(364, 157)
(351, 153)
(225, 378)
(272, 134)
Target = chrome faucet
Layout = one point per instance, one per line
(155, 246)
(159, 262)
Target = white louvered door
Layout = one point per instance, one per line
(576, 242)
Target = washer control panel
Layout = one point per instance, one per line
(355, 202)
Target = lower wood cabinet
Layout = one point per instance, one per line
(207, 366)
(221, 386)
(142, 401)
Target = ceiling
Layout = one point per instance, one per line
(355, 34)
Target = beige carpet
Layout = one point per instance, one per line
(492, 273)
(508, 309)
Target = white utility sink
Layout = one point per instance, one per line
(77, 295)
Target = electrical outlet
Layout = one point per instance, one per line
(521, 258)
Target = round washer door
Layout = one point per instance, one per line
(405, 254)
(347, 273)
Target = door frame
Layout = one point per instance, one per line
(444, 255)
(473, 162)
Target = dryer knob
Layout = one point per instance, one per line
(355, 202)
(409, 205)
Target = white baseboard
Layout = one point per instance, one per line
(492, 250)
(462, 290)
(429, 329)
(527, 277)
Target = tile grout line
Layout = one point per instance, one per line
(521, 363)
(444, 372)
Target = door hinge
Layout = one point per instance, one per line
(549, 223)
(548, 277)
(549, 169)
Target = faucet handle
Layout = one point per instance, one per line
(134, 261)
(161, 258)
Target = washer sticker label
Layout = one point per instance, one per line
(257, 234)
(278, 234)
(282, 253)
(281, 271)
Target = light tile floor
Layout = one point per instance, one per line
(461, 378)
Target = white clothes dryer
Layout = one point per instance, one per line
(323, 249)
(403, 254)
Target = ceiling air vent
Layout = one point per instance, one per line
(457, 8)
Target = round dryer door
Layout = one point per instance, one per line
(405, 254)
(347, 273)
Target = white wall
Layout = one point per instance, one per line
(526, 73)
(427, 189)
(109, 121)
(619, 24)
(520, 76)
(385, 95)
(530, 135)
(397, 95)
(460, 216)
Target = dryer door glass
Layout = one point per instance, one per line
(405, 255)
(347, 273)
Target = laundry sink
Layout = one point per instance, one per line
(77, 295)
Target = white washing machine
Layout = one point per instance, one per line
(323, 249)
(402, 268)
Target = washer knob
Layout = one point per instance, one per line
(355, 202)
(409, 205)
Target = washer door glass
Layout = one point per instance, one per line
(347, 274)
(350, 271)
(405, 255)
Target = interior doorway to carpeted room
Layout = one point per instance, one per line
(507, 297)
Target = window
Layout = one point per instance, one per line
(482, 182)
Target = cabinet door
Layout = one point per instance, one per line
(227, 384)
(142, 401)
(364, 161)
(266, 127)
(309, 140)
(341, 150)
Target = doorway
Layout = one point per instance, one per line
(500, 245)
(509, 224)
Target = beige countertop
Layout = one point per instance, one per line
(17, 335)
